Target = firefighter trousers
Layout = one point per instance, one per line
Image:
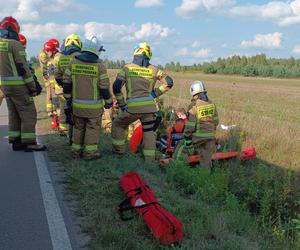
(50, 97)
(22, 118)
(85, 135)
(120, 128)
(204, 149)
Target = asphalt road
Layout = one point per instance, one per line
(30, 216)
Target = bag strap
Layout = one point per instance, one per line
(125, 206)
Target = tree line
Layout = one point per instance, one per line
(258, 65)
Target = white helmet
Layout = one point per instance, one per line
(92, 45)
(197, 87)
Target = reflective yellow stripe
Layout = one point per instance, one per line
(140, 72)
(206, 111)
(103, 77)
(95, 89)
(91, 147)
(87, 106)
(3, 46)
(12, 83)
(149, 152)
(89, 70)
(14, 134)
(22, 53)
(12, 64)
(118, 142)
(129, 88)
(136, 104)
(76, 146)
(28, 80)
(64, 62)
(28, 135)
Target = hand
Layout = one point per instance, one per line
(124, 107)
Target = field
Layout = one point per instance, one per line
(240, 205)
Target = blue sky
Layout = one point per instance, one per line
(188, 31)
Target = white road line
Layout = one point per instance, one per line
(58, 232)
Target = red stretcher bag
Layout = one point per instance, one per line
(136, 139)
(164, 226)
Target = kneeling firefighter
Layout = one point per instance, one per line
(71, 48)
(19, 88)
(139, 78)
(86, 84)
(199, 131)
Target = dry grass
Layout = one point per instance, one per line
(267, 110)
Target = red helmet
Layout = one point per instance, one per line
(22, 40)
(55, 42)
(9, 21)
(50, 47)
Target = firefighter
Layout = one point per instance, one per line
(23, 41)
(19, 88)
(139, 78)
(71, 47)
(86, 82)
(44, 57)
(199, 132)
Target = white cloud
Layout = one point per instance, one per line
(31, 10)
(106, 32)
(148, 3)
(196, 44)
(150, 32)
(267, 41)
(183, 52)
(203, 53)
(191, 7)
(283, 13)
(296, 49)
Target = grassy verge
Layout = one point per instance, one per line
(240, 205)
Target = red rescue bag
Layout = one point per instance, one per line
(164, 226)
(136, 139)
(55, 122)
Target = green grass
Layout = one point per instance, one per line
(240, 205)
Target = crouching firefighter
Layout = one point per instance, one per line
(19, 88)
(86, 83)
(139, 78)
(199, 132)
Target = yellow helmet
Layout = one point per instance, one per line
(73, 39)
(143, 49)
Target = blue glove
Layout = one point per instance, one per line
(153, 94)
(124, 107)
